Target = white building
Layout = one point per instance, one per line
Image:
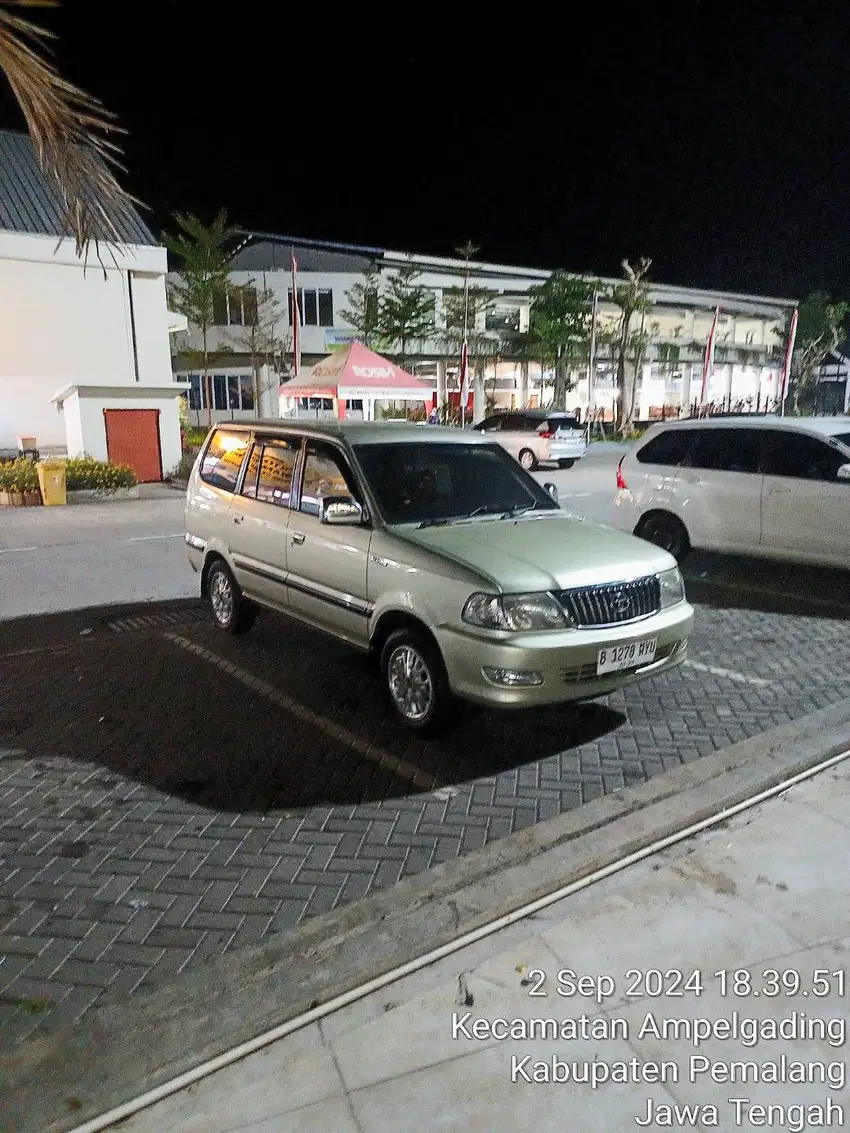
(745, 374)
(85, 360)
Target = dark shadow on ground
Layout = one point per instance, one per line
(738, 583)
(139, 706)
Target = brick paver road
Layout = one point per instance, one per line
(168, 793)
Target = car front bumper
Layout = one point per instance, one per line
(565, 662)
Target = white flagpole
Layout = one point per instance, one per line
(591, 368)
(789, 353)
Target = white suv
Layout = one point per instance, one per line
(771, 487)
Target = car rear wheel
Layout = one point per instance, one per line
(666, 532)
(231, 612)
(416, 682)
(527, 459)
(566, 463)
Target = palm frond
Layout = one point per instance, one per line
(71, 131)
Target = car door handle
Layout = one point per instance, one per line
(238, 518)
(298, 538)
(779, 491)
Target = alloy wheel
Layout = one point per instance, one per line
(410, 683)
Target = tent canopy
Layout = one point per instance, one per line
(355, 373)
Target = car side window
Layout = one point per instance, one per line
(490, 425)
(326, 473)
(668, 448)
(249, 480)
(726, 450)
(274, 484)
(223, 459)
(800, 457)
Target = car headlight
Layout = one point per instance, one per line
(672, 588)
(515, 612)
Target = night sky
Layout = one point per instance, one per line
(712, 137)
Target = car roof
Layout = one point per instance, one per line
(822, 426)
(358, 432)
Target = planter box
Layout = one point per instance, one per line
(20, 499)
(100, 496)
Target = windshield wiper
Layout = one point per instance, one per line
(520, 509)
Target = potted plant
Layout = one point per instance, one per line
(19, 484)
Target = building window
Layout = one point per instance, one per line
(316, 307)
(246, 387)
(502, 318)
(236, 307)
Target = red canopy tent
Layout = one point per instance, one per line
(357, 374)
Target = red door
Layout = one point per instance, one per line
(132, 437)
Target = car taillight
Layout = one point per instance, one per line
(547, 436)
(621, 483)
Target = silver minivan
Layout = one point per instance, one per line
(436, 552)
(537, 436)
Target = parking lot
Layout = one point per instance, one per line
(168, 793)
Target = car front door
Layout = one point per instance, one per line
(805, 507)
(327, 565)
(259, 517)
(719, 489)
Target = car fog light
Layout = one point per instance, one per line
(512, 677)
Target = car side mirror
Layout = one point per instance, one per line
(340, 511)
(844, 472)
(552, 490)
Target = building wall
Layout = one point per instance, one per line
(69, 322)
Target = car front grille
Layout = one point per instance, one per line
(614, 604)
(587, 672)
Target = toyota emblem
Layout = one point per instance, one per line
(621, 603)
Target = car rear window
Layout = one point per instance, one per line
(669, 448)
(223, 459)
(565, 423)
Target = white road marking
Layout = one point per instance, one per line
(397, 767)
(151, 538)
(729, 674)
(16, 550)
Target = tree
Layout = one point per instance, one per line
(364, 314)
(559, 329)
(406, 312)
(202, 253)
(464, 305)
(632, 297)
(258, 337)
(819, 331)
(71, 132)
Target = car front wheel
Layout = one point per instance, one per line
(231, 612)
(416, 682)
(666, 532)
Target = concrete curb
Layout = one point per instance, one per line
(56, 1082)
(102, 496)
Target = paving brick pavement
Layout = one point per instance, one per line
(162, 802)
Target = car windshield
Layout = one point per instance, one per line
(440, 483)
(844, 438)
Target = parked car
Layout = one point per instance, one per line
(536, 437)
(436, 552)
(771, 487)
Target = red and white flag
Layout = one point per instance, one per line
(789, 354)
(464, 376)
(295, 319)
(708, 364)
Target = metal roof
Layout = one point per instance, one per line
(29, 203)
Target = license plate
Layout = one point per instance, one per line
(618, 657)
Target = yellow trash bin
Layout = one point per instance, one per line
(51, 480)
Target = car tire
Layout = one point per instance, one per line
(665, 531)
(230, 610)
(527, 459)
(566, 463)
(415, 682)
